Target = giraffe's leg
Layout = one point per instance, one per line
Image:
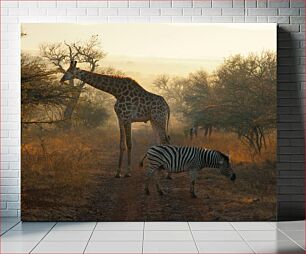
(193, 176)
(128, 136)
(122, 149)
(159, 127)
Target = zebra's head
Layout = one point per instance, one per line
(226, 168)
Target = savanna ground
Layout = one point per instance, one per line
(69, 176)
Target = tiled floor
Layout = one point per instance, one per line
(152, 237)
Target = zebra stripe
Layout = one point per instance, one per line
(177, 159)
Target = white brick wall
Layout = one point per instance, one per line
(288, 13)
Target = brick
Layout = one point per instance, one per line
(9, 4)
(9, 213)
(76, 11)
(202, 3)
(201, 19)
(108, 11)
(291, 198)
(291, 174)
(47, 4)
(57, 12)
(239, 19)
(262, 19)
(8, 181)
(192, 11)
(9, 173)
(278, 3)
(262, 12)
(262, 3)
(171, 11)
(181, 19)
(9, 197)
(159, 19)
(222, 3)
(18, 12)
(139, 3)
(91, 4)
(92, 11)
(38, 11)
(249, 19)
(211, 11)
(279, 20)
(233, 12)
(291, 189)
(297, 3)
(250, 3)
(66, 4)
(297, 20)
(160, 4)
(150, 12)
(3, 206)
(182, 3)
(291, 182)
(139, 19)
(222, 19)
(238, 3)
(117, 19)
(128, 11)
(118, 4)
(289, 28)
(289, 11)
(291, 150)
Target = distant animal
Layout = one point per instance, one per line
(134, 104)
(176, 159)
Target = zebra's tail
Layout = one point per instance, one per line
(141, 162)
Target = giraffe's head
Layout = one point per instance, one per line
(226, 168)
(70, 73)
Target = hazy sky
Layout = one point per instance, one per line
(150, 48)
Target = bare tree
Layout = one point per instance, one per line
(88, 53)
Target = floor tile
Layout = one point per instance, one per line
(223, 247)
(114, 247)
(168, 236)
(297, 236)
(252, 226)
(119, 226)
(17, 247)
(169, 247)
(60, 247)
(166, 226)
(33, 226)
(258, 235)
(67, 236)
(216, 236)
(69, 226)
(211, 226)
(290, 225)
(276, 247)
(23, 236)
(99, 236)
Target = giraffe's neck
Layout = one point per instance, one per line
(105, 83)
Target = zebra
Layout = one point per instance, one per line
(176, 159)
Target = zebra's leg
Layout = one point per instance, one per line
(122, 149)
(149, 175)
(128, 136)
(193, 177)
(157, 184)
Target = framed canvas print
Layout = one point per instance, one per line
(154, 122)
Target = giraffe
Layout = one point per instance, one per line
(134, 104)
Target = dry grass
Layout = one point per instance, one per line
(72, 179)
